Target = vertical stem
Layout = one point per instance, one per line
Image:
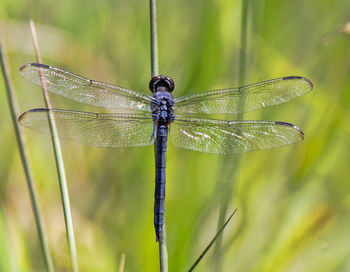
(243, 47)
(154, 38)
(25, 161)
(59, 166)
(231, 164)
(163, 253)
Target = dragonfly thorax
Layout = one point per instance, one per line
(163, 107)
(163, 104)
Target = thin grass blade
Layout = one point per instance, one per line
(60, 168)
(122, 263)
(25, 161)
(212, 242)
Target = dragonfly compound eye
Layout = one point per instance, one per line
(161, 81)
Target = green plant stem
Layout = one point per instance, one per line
(231, 164)
(154, 38)
(25, 161)
(59, 166)
(163, 252)
(243, 47)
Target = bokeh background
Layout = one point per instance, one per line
(293, 202)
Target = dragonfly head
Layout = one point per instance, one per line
(161, 83)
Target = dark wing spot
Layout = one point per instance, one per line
(291, 125)
(299, 77)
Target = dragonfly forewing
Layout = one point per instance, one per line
(244, 99)
(94, 129)
(227, 137)
(84, 90)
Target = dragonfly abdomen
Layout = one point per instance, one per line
(160, 161)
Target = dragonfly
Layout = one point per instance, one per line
(137, 119)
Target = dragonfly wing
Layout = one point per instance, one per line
(94, 129)
(244, 99)
(227, 137)
(84, 90)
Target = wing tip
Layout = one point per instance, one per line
(308, 81)
(22, 116)
(24, 66)
(301, 133)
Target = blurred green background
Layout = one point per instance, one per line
(293, 202)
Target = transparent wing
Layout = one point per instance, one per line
(95, 129)
(226, 137)
(84, 90)
(244, 99)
